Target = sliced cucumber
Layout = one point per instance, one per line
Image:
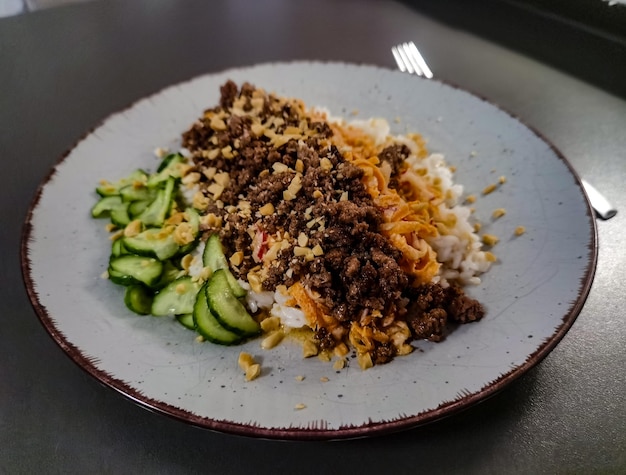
(137, 193)
(104, 206)
(169, 168)
(137, 207)
(186, 320)
(138, 299)
(155, 213)
(112, 189)
(213, 257)
(176, 298)
(152, 242)
(169, 275)
(208, 326)
(130, 269)
(118, 249)
(229, 311)
(119, 215)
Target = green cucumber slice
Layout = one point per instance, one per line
(208, 326)
(186, 320)
(131, 193)
(169, 168)
(138, 299)
(130, 269)
(104, 206)
(149, 243)
(229, 311)
(169, 275)
(113, 189)
(176, 298)
(119, 216)
(137, 207)
(155, 213)
(213, 257)
(118, 249)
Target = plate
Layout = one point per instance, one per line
(532, 295)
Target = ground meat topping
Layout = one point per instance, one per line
(342, 221)
(434, 306)
(282, 194)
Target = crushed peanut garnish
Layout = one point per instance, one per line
(133, 228)
(498, 213)
(253, 372)
(272, 339)
(489, 189)
(490, 239)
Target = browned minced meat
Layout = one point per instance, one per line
(395, 155)
(433, 306)
(359, 270)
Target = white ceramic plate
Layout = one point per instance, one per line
(532, 295)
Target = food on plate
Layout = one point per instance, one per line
(278, 219)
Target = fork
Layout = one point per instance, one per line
(410, 60)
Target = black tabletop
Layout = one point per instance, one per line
(64, 70)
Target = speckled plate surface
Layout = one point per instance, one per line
(532, 295)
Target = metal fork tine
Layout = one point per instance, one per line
(406, 60)
(411, 58)
(419, 59)
(398, 59)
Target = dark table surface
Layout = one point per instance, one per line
(64, 70)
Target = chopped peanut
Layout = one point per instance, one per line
(272, 339)
(253, 372)
(133, 228)
(245, 360)
(490, 239)
(489, 189)
(191, 178)
(183, 234)
(270, 324)
(266, 209)
(303, 240)
(339, 364)
(217, 124)
(309, 348)
(326, 164)
(236, 259)
(199, 201)
(498, 213)
(365, 360)
(216, 189)
(222, 178)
